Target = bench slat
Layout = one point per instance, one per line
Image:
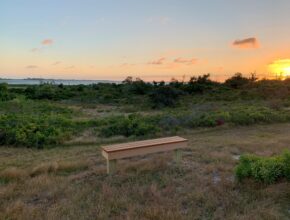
(141, 144)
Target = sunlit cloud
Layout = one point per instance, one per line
(43, 44)
(159, 61)
(47, 42)
(185, 61)
(248, 43)
(31, 67)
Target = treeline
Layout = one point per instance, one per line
(157, 94)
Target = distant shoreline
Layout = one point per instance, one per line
(37, 81)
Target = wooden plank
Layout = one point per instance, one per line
(144, 150)
(141, 144)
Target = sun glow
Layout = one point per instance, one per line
(280, 68)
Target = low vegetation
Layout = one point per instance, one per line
(48, 115)
(266, 170)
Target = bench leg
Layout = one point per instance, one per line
(178, 155)
(111, 166)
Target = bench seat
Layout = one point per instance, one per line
(125, 150)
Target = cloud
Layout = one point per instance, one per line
(185, 61)
(159, 61)
(47, 42)
(31, 67)
(56, 63)
(248, 43)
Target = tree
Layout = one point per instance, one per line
(200, 84)
(164, 96)
(237, 81)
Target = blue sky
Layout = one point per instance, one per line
(94, 39)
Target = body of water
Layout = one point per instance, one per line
(53, 81)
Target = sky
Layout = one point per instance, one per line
(150, 39)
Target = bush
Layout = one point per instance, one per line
(132, 125)
(237, 81)
(34, 131)
(5, 95)
(164, 96)
(253, 115)
(266, 170)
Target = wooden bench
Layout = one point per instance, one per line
(119, 151)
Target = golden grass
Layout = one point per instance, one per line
(12, 173)
(71, 182)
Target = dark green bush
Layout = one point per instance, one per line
(5, 95)
(132, 125)
(164, 96)
(266, 170)
(237, 81)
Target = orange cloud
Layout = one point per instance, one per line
(47, 42)
(159, 61)
(185, 61)
(31, 67)
(248, 43)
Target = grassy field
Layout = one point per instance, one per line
(71, 183)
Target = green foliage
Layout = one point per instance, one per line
(164, 96)
(252, 115)
(38, 116)
(132, 125)
(5, 95)
(33, 131)
(237, 81)
(201, 84)
(266, 170)
(137, 87)
(26, 123)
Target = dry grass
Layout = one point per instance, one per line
(70, 183)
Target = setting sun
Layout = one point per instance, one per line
(280, 67)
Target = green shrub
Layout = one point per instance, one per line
(253, 115)
(34, 131)
(244, 169)
(164, 96)
(5, 95)
(132, 125)
(266, 170)
(286, 164)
